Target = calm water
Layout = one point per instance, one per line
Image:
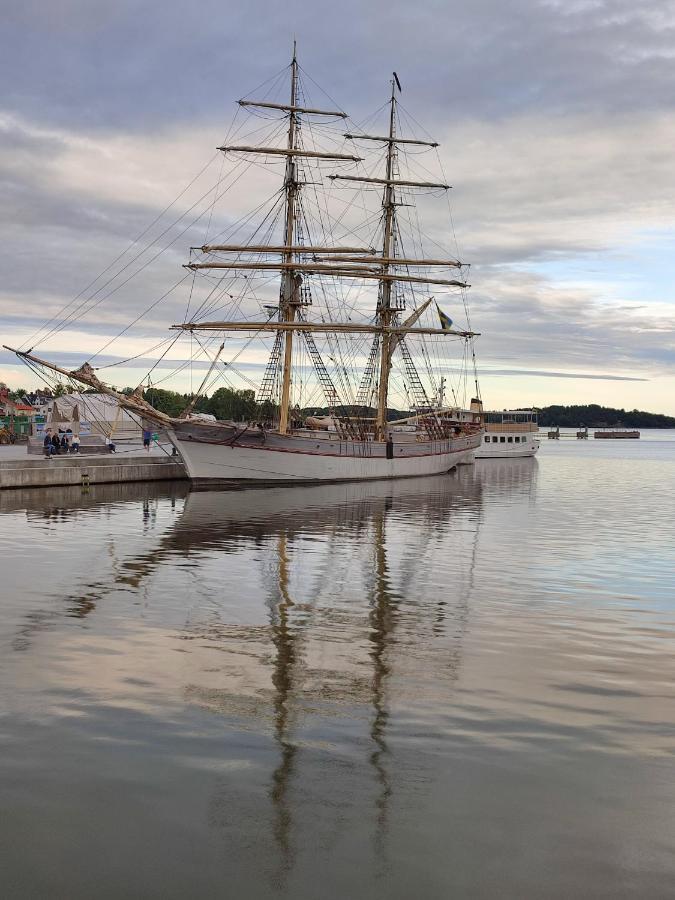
(452, 687)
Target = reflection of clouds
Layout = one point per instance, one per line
(374, 665)
(71, 581)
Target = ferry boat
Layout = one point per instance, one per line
(347, 319)
(510, 433)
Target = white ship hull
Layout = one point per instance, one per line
(302, 459)
(496, 449)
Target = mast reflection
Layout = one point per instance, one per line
(350, 598)
(284, 641)
(383, 608)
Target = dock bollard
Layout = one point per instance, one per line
(85, 480)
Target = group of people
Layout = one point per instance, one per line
(61, 442)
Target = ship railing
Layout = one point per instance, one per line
(514, 427)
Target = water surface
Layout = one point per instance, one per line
(454, 686)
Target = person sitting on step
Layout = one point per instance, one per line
(47, 443)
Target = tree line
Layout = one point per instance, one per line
(225, 403)
(240, 406)
(595, 416)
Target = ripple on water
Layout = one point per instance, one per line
(444, 685)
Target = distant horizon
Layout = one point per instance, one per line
(486, 407)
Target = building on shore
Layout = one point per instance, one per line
(41, 401)
(15, 417)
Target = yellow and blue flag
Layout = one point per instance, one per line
(446, 321)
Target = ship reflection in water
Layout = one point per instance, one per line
(338, 618)
(373, 690)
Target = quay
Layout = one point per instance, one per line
(580, 435)
(17, 471)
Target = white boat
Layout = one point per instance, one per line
(508, 434)
(368, 343)
(213, 455)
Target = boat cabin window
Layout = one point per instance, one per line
(502, 440)
(487, 440)
(510, 440)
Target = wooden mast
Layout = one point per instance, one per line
(289, 284)
(385, 312)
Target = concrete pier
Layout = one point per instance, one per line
(85, 470)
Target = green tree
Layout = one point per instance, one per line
(226, 403)
(169, 402)
(62, 389)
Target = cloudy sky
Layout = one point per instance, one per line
(557, 123)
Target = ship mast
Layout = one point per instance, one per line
(385, 312)
(290, 282)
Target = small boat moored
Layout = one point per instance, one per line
(617, 433)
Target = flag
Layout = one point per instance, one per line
(446, 321)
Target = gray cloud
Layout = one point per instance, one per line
(556, 122)
(543, 373)
(100, 64)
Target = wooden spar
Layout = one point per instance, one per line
(390, 181)
(318, 327)
(278, 266)
(341, 272)
(396, 261)
(293, 108)
(85, 375)
(418, 279)
(271, 248)
(442, 410)
(191, 405)
(390, 140)
(291, 151)
(408, 323)
(274, 266)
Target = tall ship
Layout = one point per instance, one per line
(509, 433)
(354, 325)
